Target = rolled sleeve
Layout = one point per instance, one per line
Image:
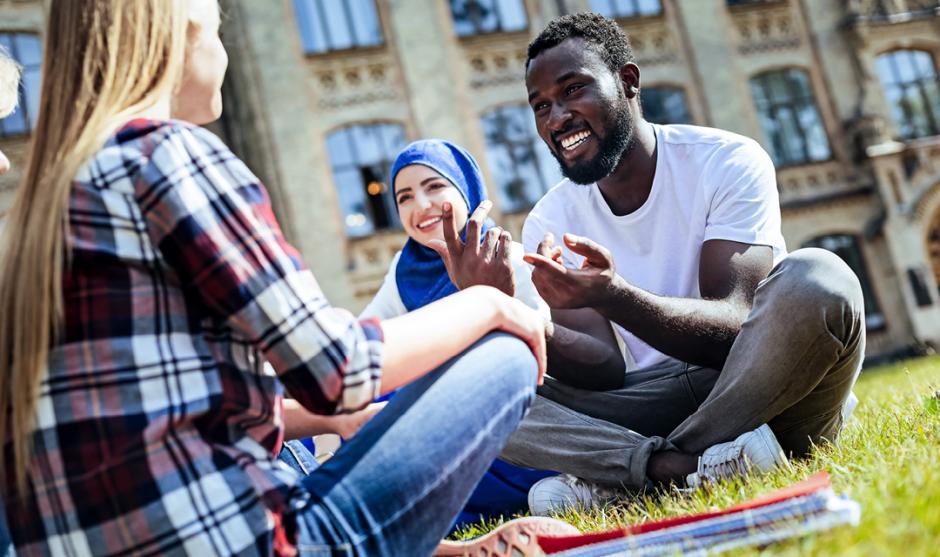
(211, 219)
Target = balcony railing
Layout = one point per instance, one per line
(890, 11)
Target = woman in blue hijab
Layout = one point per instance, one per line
(428, 177)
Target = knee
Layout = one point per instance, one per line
(510, 362)
(814, 280)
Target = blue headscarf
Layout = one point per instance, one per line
(421, 275)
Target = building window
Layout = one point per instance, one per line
(626, 8)
(327, 25)
(847, 248)
(361, 157)
(26, 49)
(789, 118)
(909, 79)
(735, 3)
(478, 17)
(664, 105)
(519, 161)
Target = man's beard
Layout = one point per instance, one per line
(618, 141)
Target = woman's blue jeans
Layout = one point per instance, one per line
(395, 488)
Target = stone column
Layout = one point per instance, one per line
(706, 26)
(905, 240)
(274, 93)
(432, 66)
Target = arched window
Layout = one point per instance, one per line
(478, 17)
(520, 163)
(361, 157)
(847, 248)
(327, 25)
(664, 105)
(26, 49)
(789, 118)
(909, 80)
(626, 8)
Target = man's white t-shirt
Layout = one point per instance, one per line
(709, 185)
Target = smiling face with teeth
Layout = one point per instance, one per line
(420, 193)
(581, 110)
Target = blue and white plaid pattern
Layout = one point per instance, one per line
(159, 423)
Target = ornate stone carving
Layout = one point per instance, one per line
(354, 80)
(500, 64)
(369, 259)
(805, 183)
(653, 42)
(766, 29)
(889, 11)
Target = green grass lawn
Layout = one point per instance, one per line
(888, 459)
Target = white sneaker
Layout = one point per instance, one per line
(753, 452)
(563, 492)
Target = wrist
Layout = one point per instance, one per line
(492, 303)
(607, 294)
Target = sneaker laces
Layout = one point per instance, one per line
(729, 464)
(594, 491)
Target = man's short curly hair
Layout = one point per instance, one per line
(601, 33)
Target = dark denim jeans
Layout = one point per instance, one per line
(395, 488)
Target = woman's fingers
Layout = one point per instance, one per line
(488, 251)
(451, 236)
(475, 224)
(504, 248)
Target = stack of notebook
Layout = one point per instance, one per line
(802, 508)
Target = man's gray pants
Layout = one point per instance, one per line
(792, 366)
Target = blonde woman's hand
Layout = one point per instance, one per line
(348, 425)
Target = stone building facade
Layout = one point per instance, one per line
(320, 94)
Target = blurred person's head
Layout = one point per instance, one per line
(105, 62)
(9, 93)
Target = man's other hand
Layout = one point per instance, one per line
(565, 288)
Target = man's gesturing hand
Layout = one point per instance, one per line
(469, 263)
(565, 288)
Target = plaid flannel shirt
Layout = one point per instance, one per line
(158, 424)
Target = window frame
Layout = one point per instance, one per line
(673, 87)
(307, 31)
(613, 12)
(524, 114)
(499, 20)
(358, 163)
(919, 82)
(869, 294)
(793, 102)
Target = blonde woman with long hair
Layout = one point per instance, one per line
(144, 285)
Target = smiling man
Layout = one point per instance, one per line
(745, 354)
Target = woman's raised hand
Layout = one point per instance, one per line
(472, 262)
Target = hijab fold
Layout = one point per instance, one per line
(421, 275)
